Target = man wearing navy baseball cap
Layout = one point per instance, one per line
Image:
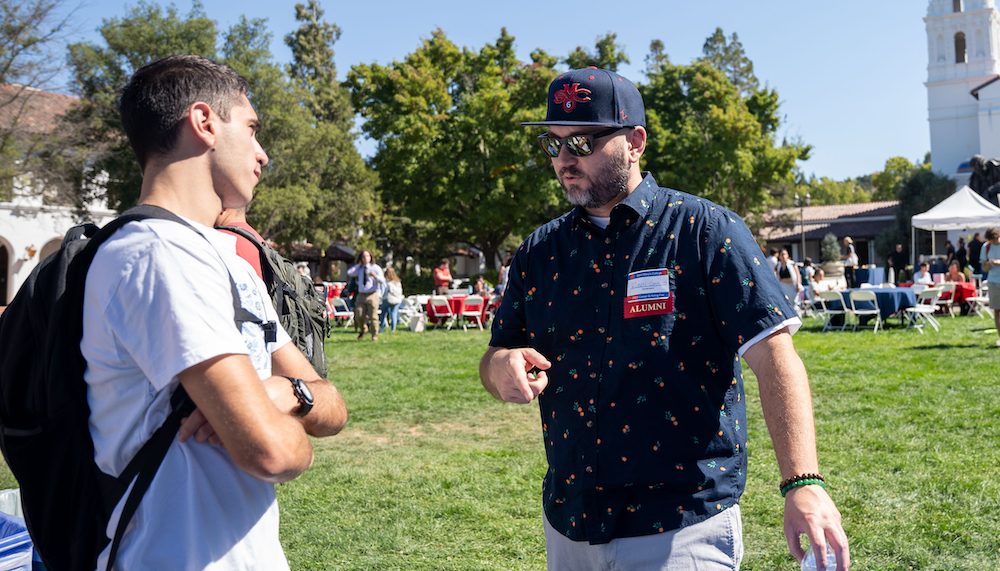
(627, 317)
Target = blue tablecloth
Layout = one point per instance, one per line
(890, 299)
(874, 276)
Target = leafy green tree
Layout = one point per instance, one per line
(30, 31)
(317, 187)
(919, 191)
(145, 34)
(608, 55)
(450, 150)
(706, 138)
(729, 58)
(825, 191)
(896, 171)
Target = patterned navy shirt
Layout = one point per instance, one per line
(643, 417)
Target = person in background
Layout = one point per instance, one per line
(923, 275)
(503, 275)
(962, 255)
(806, 274)
(954, 274)
(479, 288)
(788, 275)
(392, 300)
(635, 359)
(897, 261)
(949, 250)
(989, 258)
(442, 277)
(774, 260)
(303, 269)
(850, 261)
(370, 281)
(975, 246)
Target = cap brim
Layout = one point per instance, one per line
(569, 123)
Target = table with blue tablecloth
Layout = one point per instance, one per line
(874, 276)
(890, 299)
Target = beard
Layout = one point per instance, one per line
(610, 180)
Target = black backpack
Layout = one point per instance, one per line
(301, 309)
(44, 434)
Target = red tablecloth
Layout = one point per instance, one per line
(963, 291)
(457, 305)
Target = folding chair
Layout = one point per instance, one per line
(340, 311)
(830, 301)
(980, 303)
(948, 304)
(408, 310)
(859, 307)
(441, 311)
(924, 310)
(472, 308)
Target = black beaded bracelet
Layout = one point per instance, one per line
(801, 480)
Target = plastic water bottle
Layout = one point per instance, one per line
(809, 561)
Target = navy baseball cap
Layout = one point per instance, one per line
(593, 97)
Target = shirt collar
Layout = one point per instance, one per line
(638, 201)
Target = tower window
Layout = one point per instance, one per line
(956, 5)
(960, 56)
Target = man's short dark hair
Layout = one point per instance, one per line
(156, 100)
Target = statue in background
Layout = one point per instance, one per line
(985, 178)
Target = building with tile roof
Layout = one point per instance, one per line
(861, 221)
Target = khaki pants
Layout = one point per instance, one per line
(366, 312)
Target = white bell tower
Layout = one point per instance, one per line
(963, 94)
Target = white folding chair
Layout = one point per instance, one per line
(472, 308)
(859, 307)
(830, 301)
(341, 312)
(441, 311)
(923, 312)
(947, 305)
(979, 304)
(408, 310)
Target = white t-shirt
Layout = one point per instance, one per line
(158, 300)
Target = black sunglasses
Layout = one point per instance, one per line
(577, 145)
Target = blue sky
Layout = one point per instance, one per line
(850, 74)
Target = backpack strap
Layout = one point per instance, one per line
(146, 462)
(265, 264)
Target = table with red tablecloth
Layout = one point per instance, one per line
(457, 305)
(963, 291)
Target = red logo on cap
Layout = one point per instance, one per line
(570, 96)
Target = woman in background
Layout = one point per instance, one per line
(393, 299)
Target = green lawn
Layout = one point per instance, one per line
(432, 473)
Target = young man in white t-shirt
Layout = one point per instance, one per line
(159, 313)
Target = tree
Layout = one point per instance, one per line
(704, 137)
(450, 150)
(896, 171)
(919, 191)
(825, 191)
(729, 58)
(145, 34)
(608, 55)
(317, 187)
(30, 31)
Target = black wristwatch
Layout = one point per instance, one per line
(302, 392)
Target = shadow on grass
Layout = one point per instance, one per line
(949, 346)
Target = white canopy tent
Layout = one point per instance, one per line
(964, 209)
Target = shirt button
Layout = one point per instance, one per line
(607, 240)
(589, 470)
(593, 375)
(600, 330)
(604, 285)
(590, 424)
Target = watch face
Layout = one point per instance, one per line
(304, 390)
